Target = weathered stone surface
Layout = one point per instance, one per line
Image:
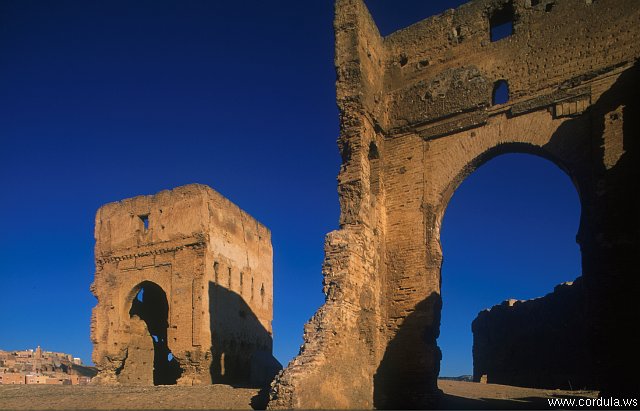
(137, 365)
(416, 119)
(205, 268)
(539, 343)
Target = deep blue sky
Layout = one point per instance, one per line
(104, 100)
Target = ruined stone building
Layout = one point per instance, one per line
(540, 343)
(184, 282)
(419, 112)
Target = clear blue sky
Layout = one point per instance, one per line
(104, 100)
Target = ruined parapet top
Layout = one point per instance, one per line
(186, 212)
(514, 302)
(450, 63)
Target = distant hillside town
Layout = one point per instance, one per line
(43, 367)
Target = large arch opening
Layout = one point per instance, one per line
(509, 232)
(150, 304)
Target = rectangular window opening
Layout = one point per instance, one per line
(501, 23)
(145, 221)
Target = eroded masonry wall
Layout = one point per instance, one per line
(417, 116)
(540, 343)
(208, 263)
(344, 339)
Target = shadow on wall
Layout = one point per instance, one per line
(240, 345)
(405, 378)
(611, 255)
(608, 233)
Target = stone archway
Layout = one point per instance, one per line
(423, 98)
(508, 238)
(146, 358)
(411, 359)
(150, 305)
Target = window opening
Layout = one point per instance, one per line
(500, 92)
(501, 23)
(145, 221)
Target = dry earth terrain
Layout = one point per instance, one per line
(458, 395)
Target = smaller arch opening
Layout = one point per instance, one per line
(500, 92)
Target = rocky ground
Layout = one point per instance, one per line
(458, 395)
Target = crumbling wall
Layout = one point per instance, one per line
(416, 118)
(214, 263)
(342, 342)
(539, 343)
(137, 364)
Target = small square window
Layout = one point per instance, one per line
(145, 221)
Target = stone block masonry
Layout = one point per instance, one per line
(184, 282)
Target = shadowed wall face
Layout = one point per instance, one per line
(158, 320)
(241, 346)
(540, 343)
(424, 98)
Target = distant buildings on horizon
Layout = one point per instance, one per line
(43, 367)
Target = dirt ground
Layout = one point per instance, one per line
(457, 395)
(89, 397)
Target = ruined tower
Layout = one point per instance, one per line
(185, 292)
(419, 112)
